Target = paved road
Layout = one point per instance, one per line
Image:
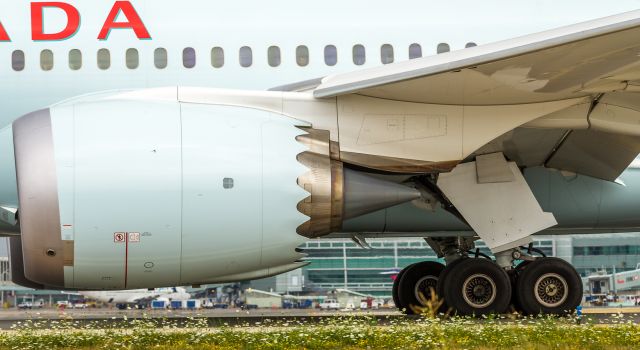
(123, 318)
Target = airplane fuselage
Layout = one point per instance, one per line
(135, 296)
(81, 47)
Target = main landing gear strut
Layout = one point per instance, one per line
(491, 195)
(472, 284)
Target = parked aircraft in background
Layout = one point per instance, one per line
(136, 297)
(126, 162)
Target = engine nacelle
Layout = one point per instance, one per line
(16, 264)
(118, 192)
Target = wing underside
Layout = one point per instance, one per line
(593, 66)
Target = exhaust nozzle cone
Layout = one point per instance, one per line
(365, 194)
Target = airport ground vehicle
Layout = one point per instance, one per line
(31, 304)
(110, 190)
(79, 305)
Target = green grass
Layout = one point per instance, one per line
(339, 333)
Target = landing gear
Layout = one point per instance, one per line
(440, 289)
(514, 275)
(396, 286)
(479, 286)
(549, 286)
(476, 287)
(416, 280)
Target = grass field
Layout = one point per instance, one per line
(339, 333)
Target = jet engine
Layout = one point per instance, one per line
(135, 190)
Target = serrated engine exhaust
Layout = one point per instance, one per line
(337, 193)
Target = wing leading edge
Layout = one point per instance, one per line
(569, 62)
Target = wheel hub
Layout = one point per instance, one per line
(479, 290)
(424, 286)
(551, 290)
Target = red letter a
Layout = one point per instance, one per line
(37, 25)
(3, 34)
(133, 21)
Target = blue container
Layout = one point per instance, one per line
(158, 304)
(191, 304)
(176, 304)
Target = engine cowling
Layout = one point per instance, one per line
(16, 263)
(118, 192)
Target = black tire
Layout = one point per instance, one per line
(549, 286)
(394, 289)
(477, 287)
(440, 289)
(513, 277)
(421, 275)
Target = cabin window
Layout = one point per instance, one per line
(46, 60)
(132, 58)
(160, 59)
(273, 56)
(415, 51)
(227, 183)
(189, 57)
(104, 59)
(330, 55)
(386, 54)
(443, 47)
(302, 55)
(470, 44)
(17, 60)
(217, 57)
(359, 55)
(75, 59)
(246, 56)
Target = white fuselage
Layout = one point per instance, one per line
(287, 25)
(137, 295)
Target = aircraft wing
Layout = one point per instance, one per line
(595, 65)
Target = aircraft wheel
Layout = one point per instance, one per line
(418, 278)
(477, 287)
(513, 277)
(440, 290)
(394, 289)
(549, 286)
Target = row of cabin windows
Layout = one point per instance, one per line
(245, 56)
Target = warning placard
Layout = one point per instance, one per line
(119, 237)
